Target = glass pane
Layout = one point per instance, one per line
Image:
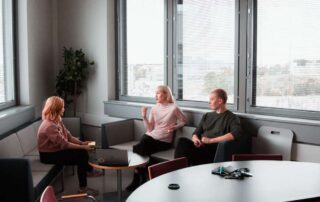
(6, 55)
(205, 49)
(2, 80)
(145, 46)
(288, 54)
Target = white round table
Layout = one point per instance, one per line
(135, 160)
(271, 181)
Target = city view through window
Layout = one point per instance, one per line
(288, 54)
(145, 46)
(287, 51)
(205, 48)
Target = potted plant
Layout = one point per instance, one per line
(71, 78)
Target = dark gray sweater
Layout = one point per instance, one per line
(213, 125)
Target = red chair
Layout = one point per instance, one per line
(48, 195)
(250, 157)
(167, 166)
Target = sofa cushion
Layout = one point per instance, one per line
(125, 146)
(28, 139)
(10, 147)
(164, 155)
(36, 165)
(33, 152)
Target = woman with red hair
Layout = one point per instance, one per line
(56, 145)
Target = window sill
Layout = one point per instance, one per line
(15, 116)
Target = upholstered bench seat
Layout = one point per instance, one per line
(19, 154)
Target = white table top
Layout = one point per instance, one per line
(271, 181)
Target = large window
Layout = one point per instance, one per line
(143, 56)
(264, 53)
(187, 44)
(286, 64)
(205, 48)
(288, 54)
(6, 55)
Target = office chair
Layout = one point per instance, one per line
(48, 195)
(250, 157)
(167, 166)
(272, 140)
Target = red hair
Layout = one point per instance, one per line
(52, 109)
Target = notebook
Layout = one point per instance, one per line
(112, 157)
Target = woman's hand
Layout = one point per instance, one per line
(144, 112)
(197, 143)
(172, 128)
(87, 147)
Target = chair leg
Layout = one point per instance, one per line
(62, 181)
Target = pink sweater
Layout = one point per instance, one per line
(162, 117)
(52, 137)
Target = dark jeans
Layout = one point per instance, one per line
(196, 156)
(77, 157)
(148, 146)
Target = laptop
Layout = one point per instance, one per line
(112, 157)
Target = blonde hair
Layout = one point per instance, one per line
(168, 93)
(52, 109)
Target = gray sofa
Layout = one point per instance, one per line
(126, 133)
(23, 176)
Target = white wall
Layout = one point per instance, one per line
(89, 25)
(35, 51)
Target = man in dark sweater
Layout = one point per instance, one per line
(215, 127)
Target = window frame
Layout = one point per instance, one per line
(8, 23)
(170, 70)
(251, 70)
(121, 54)
(244, 69)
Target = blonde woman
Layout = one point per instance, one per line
(57, 146)
(165, 117)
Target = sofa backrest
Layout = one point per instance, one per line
(10, 147)
(117, 132)
(28, 139)
(139, 129)
(185, 131)
(73, 125)
(16, 180)
(36, 125)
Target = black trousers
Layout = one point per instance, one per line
(148, 146)
(77, 157)
(196, 156)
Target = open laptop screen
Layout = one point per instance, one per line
(112, 157)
